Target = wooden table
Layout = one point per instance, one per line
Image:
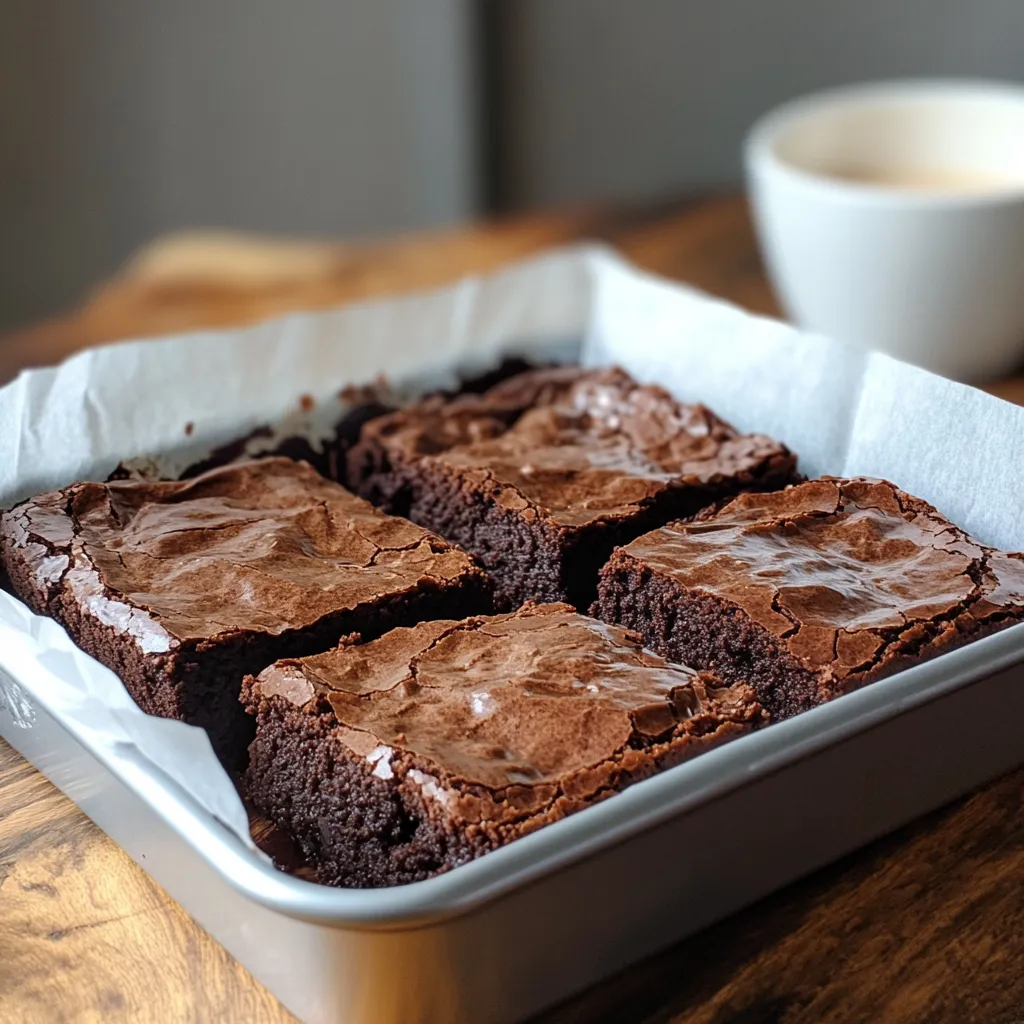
(925, 925)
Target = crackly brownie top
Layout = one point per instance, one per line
(578, 445)
(508, 700)
(264, 546)
(840, 570)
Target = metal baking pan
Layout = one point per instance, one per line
(500, 938)
(523, 927)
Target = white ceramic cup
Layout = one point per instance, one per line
(932, 275)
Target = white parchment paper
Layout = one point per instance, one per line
(842, 410)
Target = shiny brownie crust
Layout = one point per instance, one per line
(395, 760)
(184, 588)
(811, 592)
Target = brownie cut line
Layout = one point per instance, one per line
(813, 591)
(397, 759)
(183, 588)
(540, 476)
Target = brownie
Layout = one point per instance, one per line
(542, 475)
(813, 591)
(183, 588)
(395, 760)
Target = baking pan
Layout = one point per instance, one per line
(523, 927)
(500, 938)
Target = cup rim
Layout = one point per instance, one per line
(761, 158)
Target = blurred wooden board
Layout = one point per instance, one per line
(208, 280)
(925, 925)
(200, 280)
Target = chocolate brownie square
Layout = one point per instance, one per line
(542, 475)
(395, 760)
(813, 591)
(184, 588)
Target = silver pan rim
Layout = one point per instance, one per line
(555, 847)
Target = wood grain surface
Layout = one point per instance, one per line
(926, 925)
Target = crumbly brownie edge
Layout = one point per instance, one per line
(352, 825)
(20, 576)
(370, 473)
(365, 832)
(704, 632)
(524, 558)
